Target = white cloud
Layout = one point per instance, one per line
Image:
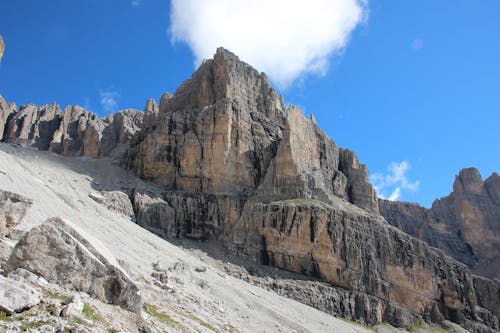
(136, 3)
(109, 100)
(394, 181)
(284, 38)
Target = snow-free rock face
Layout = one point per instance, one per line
(12, 210)
(226, 130)
(61, 255)
(72, 132)
(465, 224)
(238, 167)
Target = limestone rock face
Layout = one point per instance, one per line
(61, 255)
(154, 213)
(464, 224)
(217, 133)
(72, 132)
(360, 192)
(306, 164)
(12, 210)
(6, 112)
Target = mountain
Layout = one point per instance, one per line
(233, 166)
(465, 224)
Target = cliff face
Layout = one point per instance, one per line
(225, 130)
(465, 224)
(72, 132)
(239, 167)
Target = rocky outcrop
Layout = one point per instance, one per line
(239, 167)
(353, 250)
(306, 164)
(154, 213)
(62, 255)
(464, 224)
(360, 192)
(226, 120)
(72, 132)
(13, 207)
(226, 131)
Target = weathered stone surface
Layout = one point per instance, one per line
(72, 132)
(154, 213)
(17, 296)
(7, 111)
(217, 133)
(464, 224)
(355, 251)
(360, 191)
(119, 202)
(240, 168)
(306, 163)
(64, 256)
(73, 307)
(13, 207)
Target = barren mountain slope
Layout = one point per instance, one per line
(61, 186)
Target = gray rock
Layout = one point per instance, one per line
(118, 202)
(13, 207)
(64, 256)
(17, 296)
(360, 192)
(73, 308)
(97, 197)
(21, 274)
(464, 224)
(154, 213)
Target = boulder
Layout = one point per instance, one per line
(73, 307)
(17, 296)
(119, 202)
(63, 255)
(13, 207)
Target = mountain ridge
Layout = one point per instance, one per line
(239, 168)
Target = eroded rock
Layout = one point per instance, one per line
(64, 256)
(13, 207)
(463, 224)
(17, 296)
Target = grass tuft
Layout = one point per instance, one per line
(154, 312)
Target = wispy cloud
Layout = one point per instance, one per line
(136, 3)
(109, 100)
(284, 38)
(390, 185)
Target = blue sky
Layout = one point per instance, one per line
(413, 88)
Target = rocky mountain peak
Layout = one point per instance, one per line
(469, 180)
(492, 184)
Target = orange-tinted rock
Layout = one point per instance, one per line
(464, 224)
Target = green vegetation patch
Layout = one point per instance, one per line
(154, 312)
(90, 313)
(5, 317)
